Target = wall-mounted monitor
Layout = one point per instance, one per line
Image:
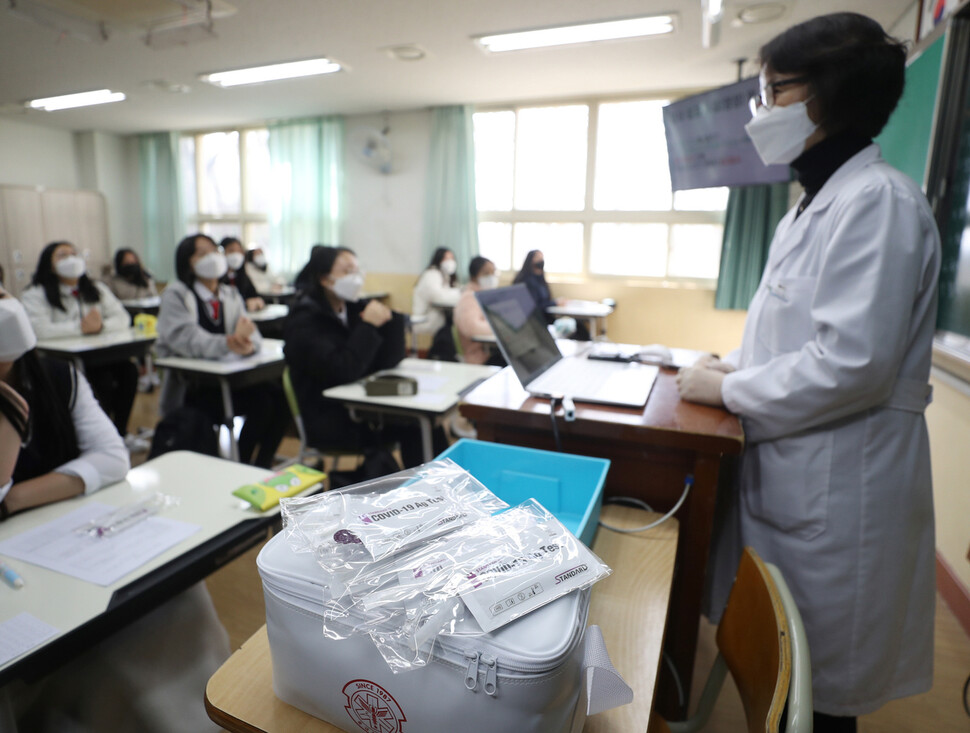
(707, 145)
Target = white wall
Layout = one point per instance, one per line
(32, 155)
(385, 213)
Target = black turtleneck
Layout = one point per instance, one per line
(817, 164)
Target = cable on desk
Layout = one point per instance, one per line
(688, 482)
(553, 402)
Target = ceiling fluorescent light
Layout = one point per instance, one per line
(610, 30)
(82, 99)
(712, 11)
(273, 72)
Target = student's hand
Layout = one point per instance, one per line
(562, 301)
(702, 385)
(709, 361)
(9, 439)
(255, 304)
(92, 323)
(241, 345)
(375, 313)
(244, 328)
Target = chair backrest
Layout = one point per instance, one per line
(459, 352)
(753, 638)
(800, 690)
(290, 393)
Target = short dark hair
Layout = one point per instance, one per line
(476, 265)
(856, 70)
(183, 253)
(226, 241)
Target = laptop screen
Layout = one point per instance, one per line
(520, 329)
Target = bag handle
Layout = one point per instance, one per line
(603, 686)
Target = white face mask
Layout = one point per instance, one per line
(349, 286)
(779, 133)
(235, 260)
(488, 282)
(212, 266)
(449, 267)
(70, 267)
(16, 335)
(259, 260)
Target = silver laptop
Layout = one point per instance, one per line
(523, 336)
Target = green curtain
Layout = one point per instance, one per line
(753, 212)
(308, 198)
(158, 157)
(450, 211)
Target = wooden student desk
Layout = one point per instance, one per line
(651, 452)
(630, 606)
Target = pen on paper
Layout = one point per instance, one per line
(10, 576)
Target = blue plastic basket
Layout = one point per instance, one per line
(571, 487)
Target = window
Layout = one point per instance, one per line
(225, 184)
(588, 184)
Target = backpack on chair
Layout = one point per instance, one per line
(186, 428)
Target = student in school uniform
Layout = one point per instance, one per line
(259, 274)
(63, 301)
(236, 273)
(131, 281)
(332, 337)
(470, 321)
(57, 443)
(202, 318)
(437, 284)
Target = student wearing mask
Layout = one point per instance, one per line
(533, 275)
(202, 318)
(236, 273)
(437, 284)
(131, 281)
(258, 272)
(63, 301)
(332, 337)
(56, 443)
(470, 321)
(831, 379)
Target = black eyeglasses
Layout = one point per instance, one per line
(766, 96)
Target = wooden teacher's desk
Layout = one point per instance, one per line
(651, 452)
(630, 606)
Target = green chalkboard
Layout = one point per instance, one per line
(906, 138)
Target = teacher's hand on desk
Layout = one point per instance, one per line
(709, 361)
(701, 384)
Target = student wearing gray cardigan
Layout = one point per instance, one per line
(201, 318)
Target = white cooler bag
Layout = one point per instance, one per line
(539, 674)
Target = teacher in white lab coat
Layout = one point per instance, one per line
(831, 379)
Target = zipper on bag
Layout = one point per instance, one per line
(491, 677)
(471, 675)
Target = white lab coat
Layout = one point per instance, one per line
(834, 484)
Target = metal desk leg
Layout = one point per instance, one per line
(426, 444)
(592, 328)
(229, 415)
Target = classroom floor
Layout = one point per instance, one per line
(237, 593)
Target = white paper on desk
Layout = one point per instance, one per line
(429, 382)
(21, 634)
(100, 560)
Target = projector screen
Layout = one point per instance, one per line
(707, 145)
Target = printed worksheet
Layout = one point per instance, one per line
(60, 546)
(21, 634)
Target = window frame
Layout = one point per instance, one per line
(589, 216)
(245, 218)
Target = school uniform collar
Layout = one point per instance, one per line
(70, 291)
(203, 292)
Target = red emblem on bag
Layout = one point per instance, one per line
(373, 708)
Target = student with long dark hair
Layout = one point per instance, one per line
(437, 284)
(332, 337)
(63, 301)
(130, 281)
(202, 318)
(533, 274)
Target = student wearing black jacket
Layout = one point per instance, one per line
(236, 274)
(333, 338)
